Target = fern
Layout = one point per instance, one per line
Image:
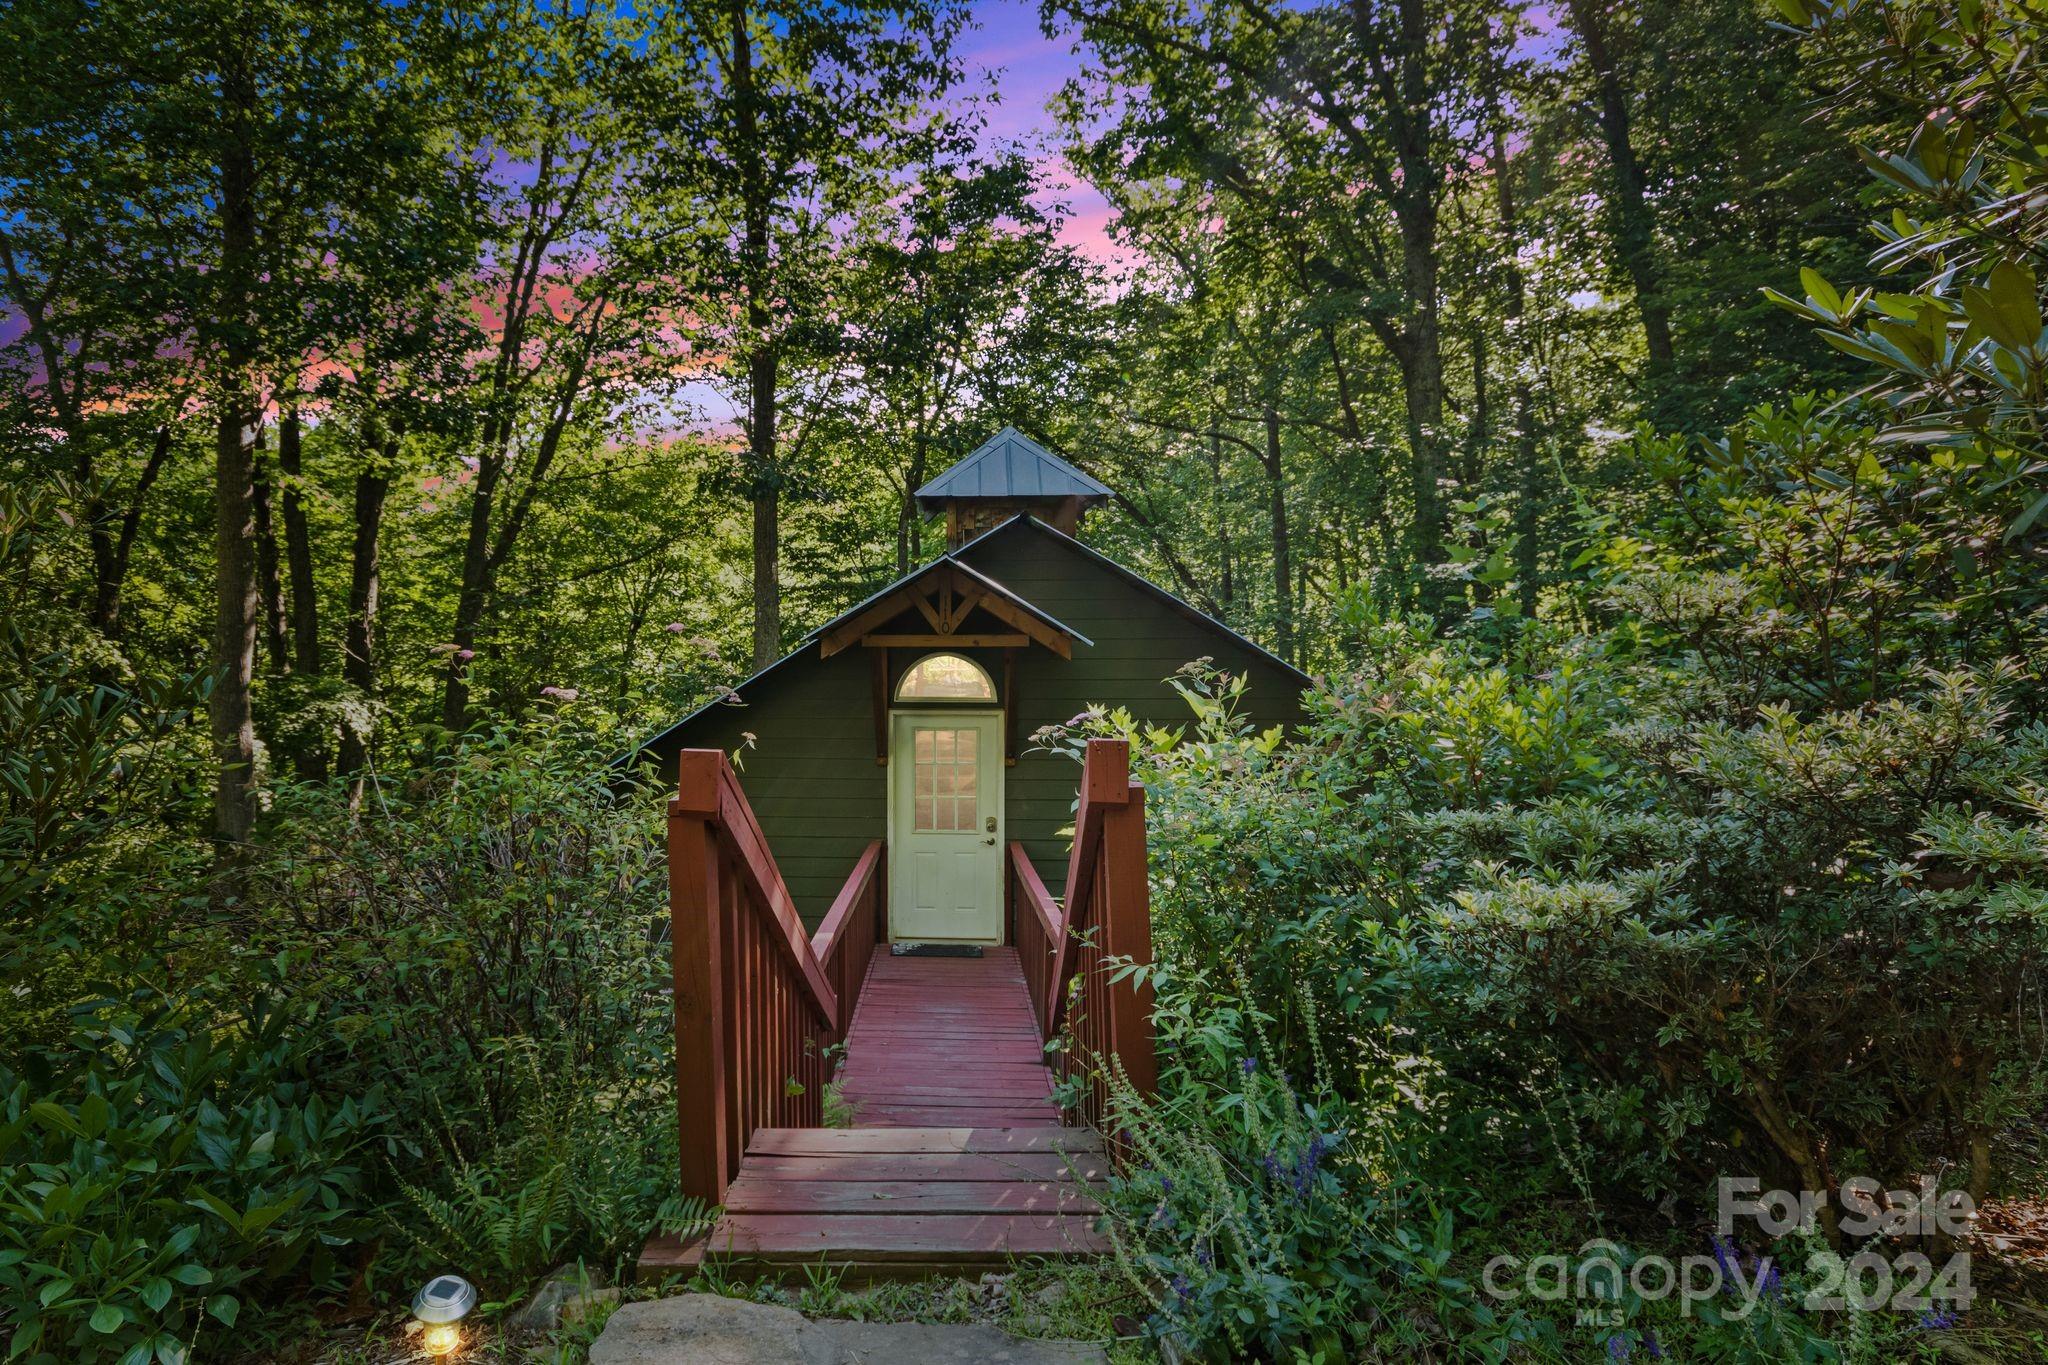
(565, 1175)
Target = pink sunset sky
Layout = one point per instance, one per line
(1007, 50)
(1013, 71)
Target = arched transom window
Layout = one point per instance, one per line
(945, 677)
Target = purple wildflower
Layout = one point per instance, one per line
(1725, 1258)
(1249, 1064)
(560, 693)
(1937, 1320)
(1618, 1348)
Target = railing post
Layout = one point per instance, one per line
(1126, 919)
(696, 957)
(1105, 784)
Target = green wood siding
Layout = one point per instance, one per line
(811, 774)
(1138, 641)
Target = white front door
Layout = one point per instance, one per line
(945, 827)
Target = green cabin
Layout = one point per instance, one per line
(908, 717)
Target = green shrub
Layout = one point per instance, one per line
(486, 930)
(1263, 878)
(171, 1160)
(180, 1164)
(99, 770)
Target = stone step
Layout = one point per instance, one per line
(706, 1329)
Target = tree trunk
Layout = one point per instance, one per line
(359, 638)
(230, 719)
(298, 548)
(234, 626)
(763, 362)
(1421, 349)
(269, 585)
(1627, 206)
(1227, 589)
(1480, 434)
(1283, 584)
(1528, 503)
(107, 586)
(472, 597)
(907, 515)
(762, 373)
(767, 560)
(1422, 391)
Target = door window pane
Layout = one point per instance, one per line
(945, 779)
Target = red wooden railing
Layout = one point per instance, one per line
(847, 936)
(1035, 929)
(1066, 951)
(757, 1002)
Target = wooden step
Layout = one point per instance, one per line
(958, 1161)
(849, 1141)
(912, 1201)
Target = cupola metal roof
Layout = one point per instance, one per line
(1011, 467)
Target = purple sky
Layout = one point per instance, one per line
(1007, 49)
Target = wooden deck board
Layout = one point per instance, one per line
(887, 1237)
(944, 1041)
(957, 1158)
(931, 1166)
(760, 1194)
(846, 1141)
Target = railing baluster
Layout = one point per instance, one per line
(1065, 951)
(754, 1003)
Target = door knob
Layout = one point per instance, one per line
(990, 840)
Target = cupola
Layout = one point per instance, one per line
(1007, 474)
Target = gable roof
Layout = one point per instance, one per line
(1021, 524)
(1010, 465)
(809, 645)
(985, 594)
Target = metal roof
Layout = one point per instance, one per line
(1010, 465)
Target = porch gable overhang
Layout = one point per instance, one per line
(943, 598)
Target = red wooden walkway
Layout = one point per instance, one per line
(946, 1042)
(959, 1156)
